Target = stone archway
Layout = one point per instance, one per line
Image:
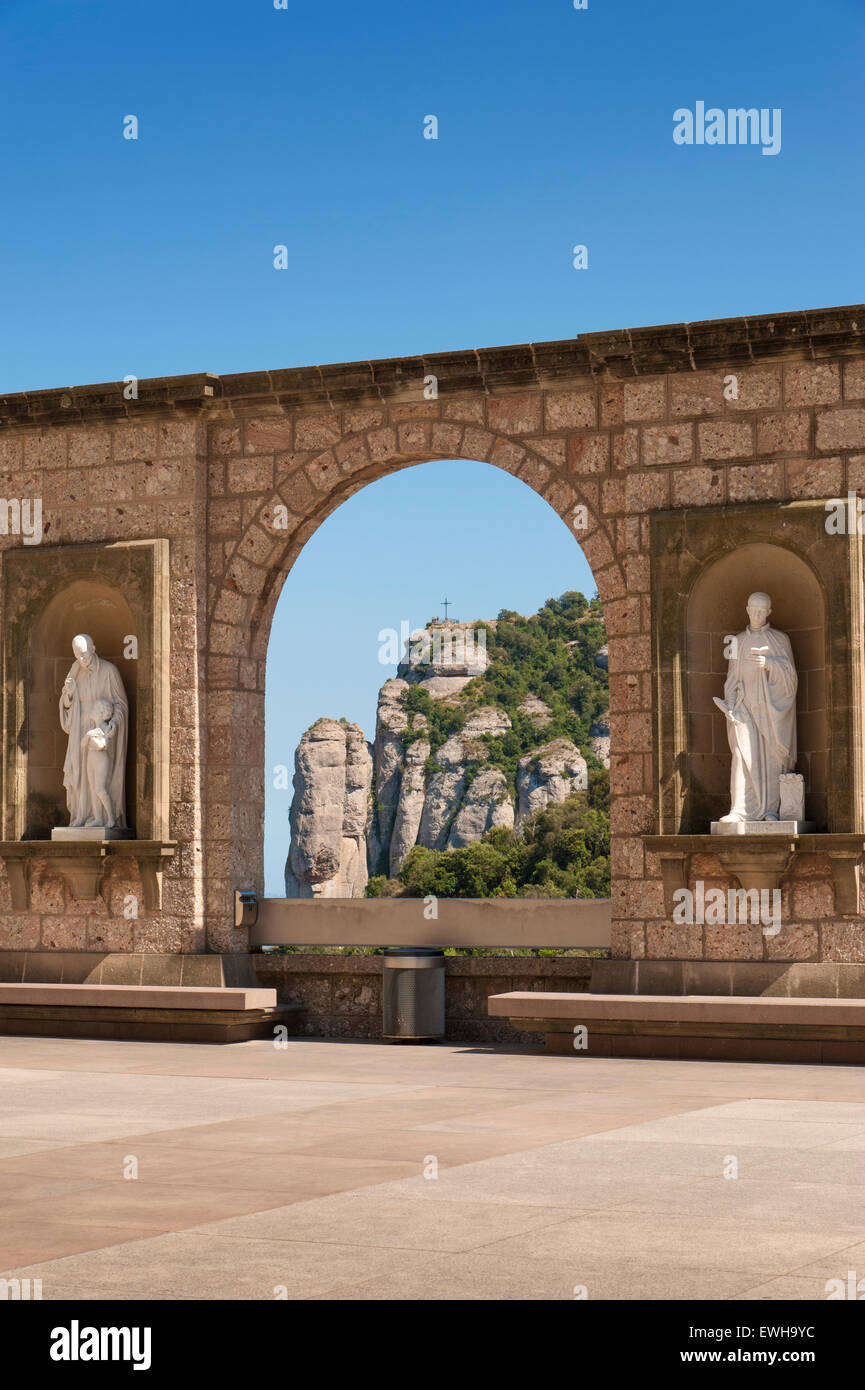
(306, 491)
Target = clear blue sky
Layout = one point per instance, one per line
(304, 127)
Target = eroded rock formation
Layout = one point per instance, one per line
(329, 813)
(549, 774)
(359, 809)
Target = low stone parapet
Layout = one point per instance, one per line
(341, 995)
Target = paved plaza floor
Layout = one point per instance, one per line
(340, 1170)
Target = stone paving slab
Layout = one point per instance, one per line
(367, 1172)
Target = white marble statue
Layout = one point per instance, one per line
(760, 705)
(95, 714)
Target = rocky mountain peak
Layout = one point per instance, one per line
(451, 759)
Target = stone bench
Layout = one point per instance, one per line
(153, 1013)
(708, 1027)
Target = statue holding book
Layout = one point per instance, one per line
(760, 707)
(94, 712)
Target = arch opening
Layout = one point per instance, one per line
(455, 515)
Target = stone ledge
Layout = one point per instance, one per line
(104, 402)
(814, 1031)
(621, 354)
(82, 864)
(726, 1047)
(761, 861)
(147, 1025)
(522, 1005)
(146, 997)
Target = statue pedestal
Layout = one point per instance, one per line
(82, 862)
(90, 832)
(761, 860)
(762, 827)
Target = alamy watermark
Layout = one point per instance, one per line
(22, 517)
(735, 907)
(738, 126)
(443, 646)
(20, 1290)
(853, 1288)
(845, 517)
(77, 1343)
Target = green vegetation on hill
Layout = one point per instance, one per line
(442, 720)
(562, 851)
(551, 655)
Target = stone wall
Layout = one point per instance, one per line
(342, 995)
(109, 479)
(796, 431)
(239, 471)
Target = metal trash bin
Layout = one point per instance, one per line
(413, 993)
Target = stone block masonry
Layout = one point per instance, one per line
(237, 472)
(341, 996)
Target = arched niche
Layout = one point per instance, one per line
(705, 563)
(716, 608)
(118, 593)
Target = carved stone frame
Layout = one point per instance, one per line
(684, 543)
(32, 577)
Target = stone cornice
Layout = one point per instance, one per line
(616, 355)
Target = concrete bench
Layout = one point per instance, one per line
(709, 1027)
(166, 1013)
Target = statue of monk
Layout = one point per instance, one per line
(94, 712)
(760, 705)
